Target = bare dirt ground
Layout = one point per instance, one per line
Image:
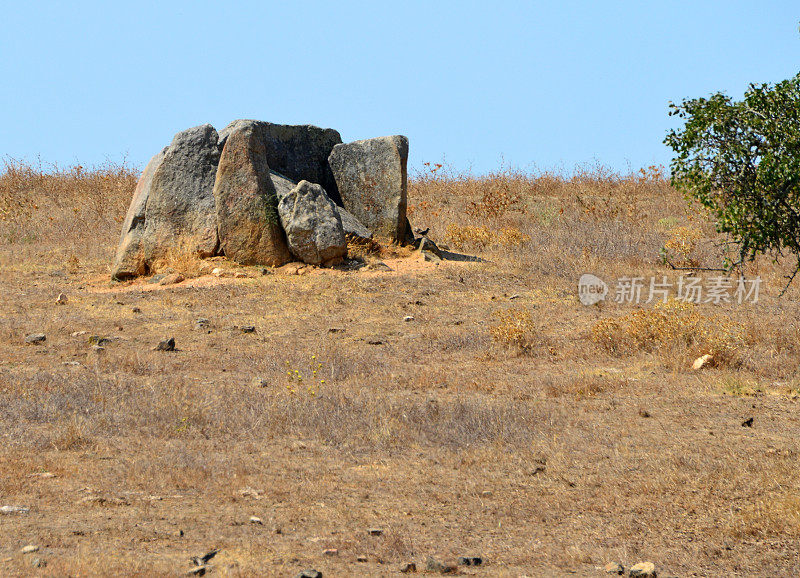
(464, 409)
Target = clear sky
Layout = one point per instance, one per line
(547, 84)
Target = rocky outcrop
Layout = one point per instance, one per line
(313, 225)
(298, 152)
(263, 194)
(246, 201)
(129, 261)
(371, 176)
(180, 213)
(173, 205)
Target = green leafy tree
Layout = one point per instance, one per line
(741, 160)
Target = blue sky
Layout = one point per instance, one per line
(546, 85)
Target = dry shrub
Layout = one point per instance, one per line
(53, 204)
(679, 247)
(671, 327)
(584, 386)
(182, 259)
(514, 330)
(501, 194)
(463, 236)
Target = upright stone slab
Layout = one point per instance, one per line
(372, 178)
(130, 261)
(312, 224)
(180, 214)
(298, 152)
(352, 226)
(246, 201)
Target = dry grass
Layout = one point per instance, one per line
(505, 419)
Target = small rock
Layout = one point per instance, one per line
(240, 275)
(30, 549)
(470, 561)
(293, 268)
(199, 570)
(14, 509)
(38, 563)
(217, 271)
(378, 266)
(256, 520)
(487, 493)
(748, 422)
(43, 475)
(703, 362)
(259, 382)
(98, 340)
(171, 279)
(165, 345)
(408, 568)
(643, 412)
(408, 318)
(643, 570)
(614, 568)
(205, 558)
(202, 324)
(247, 329)
(375, 531)
(78, 333)
(61, 299)
(309, 574)
(330, 552)
(433, 565)
(361, 558)
(136, 310)
(35, 338)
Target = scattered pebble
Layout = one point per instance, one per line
(61, 299)
(614, 568)
(748, 422)
(408, 318)
(310, 574)
(165, 345)
(14, 509)
(256, 520)
(470, 561)
(361, 558)
(643, 570)
(487, 493)
(98, 340)
(202, 324)
(35, 338)
(38, 563)
(408, 568)
(248, 329)
(30, 549)
(171, 279)
(330, 552)
(703, 362)
(643, 412)
(375, 531)
(136, 310)
(433, 565)
(78, 333)
(259, 382)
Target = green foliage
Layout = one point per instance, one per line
(741, 160)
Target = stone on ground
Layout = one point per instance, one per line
(313, 226)
(643, 570)
(246, 201)
(371, 176)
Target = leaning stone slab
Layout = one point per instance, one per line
(246, 201)
(298, 152)
(130, 261)
(352, 226)
(312, 224)
(180, 213)
(372, 178)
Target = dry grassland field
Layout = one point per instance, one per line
(354, 421)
